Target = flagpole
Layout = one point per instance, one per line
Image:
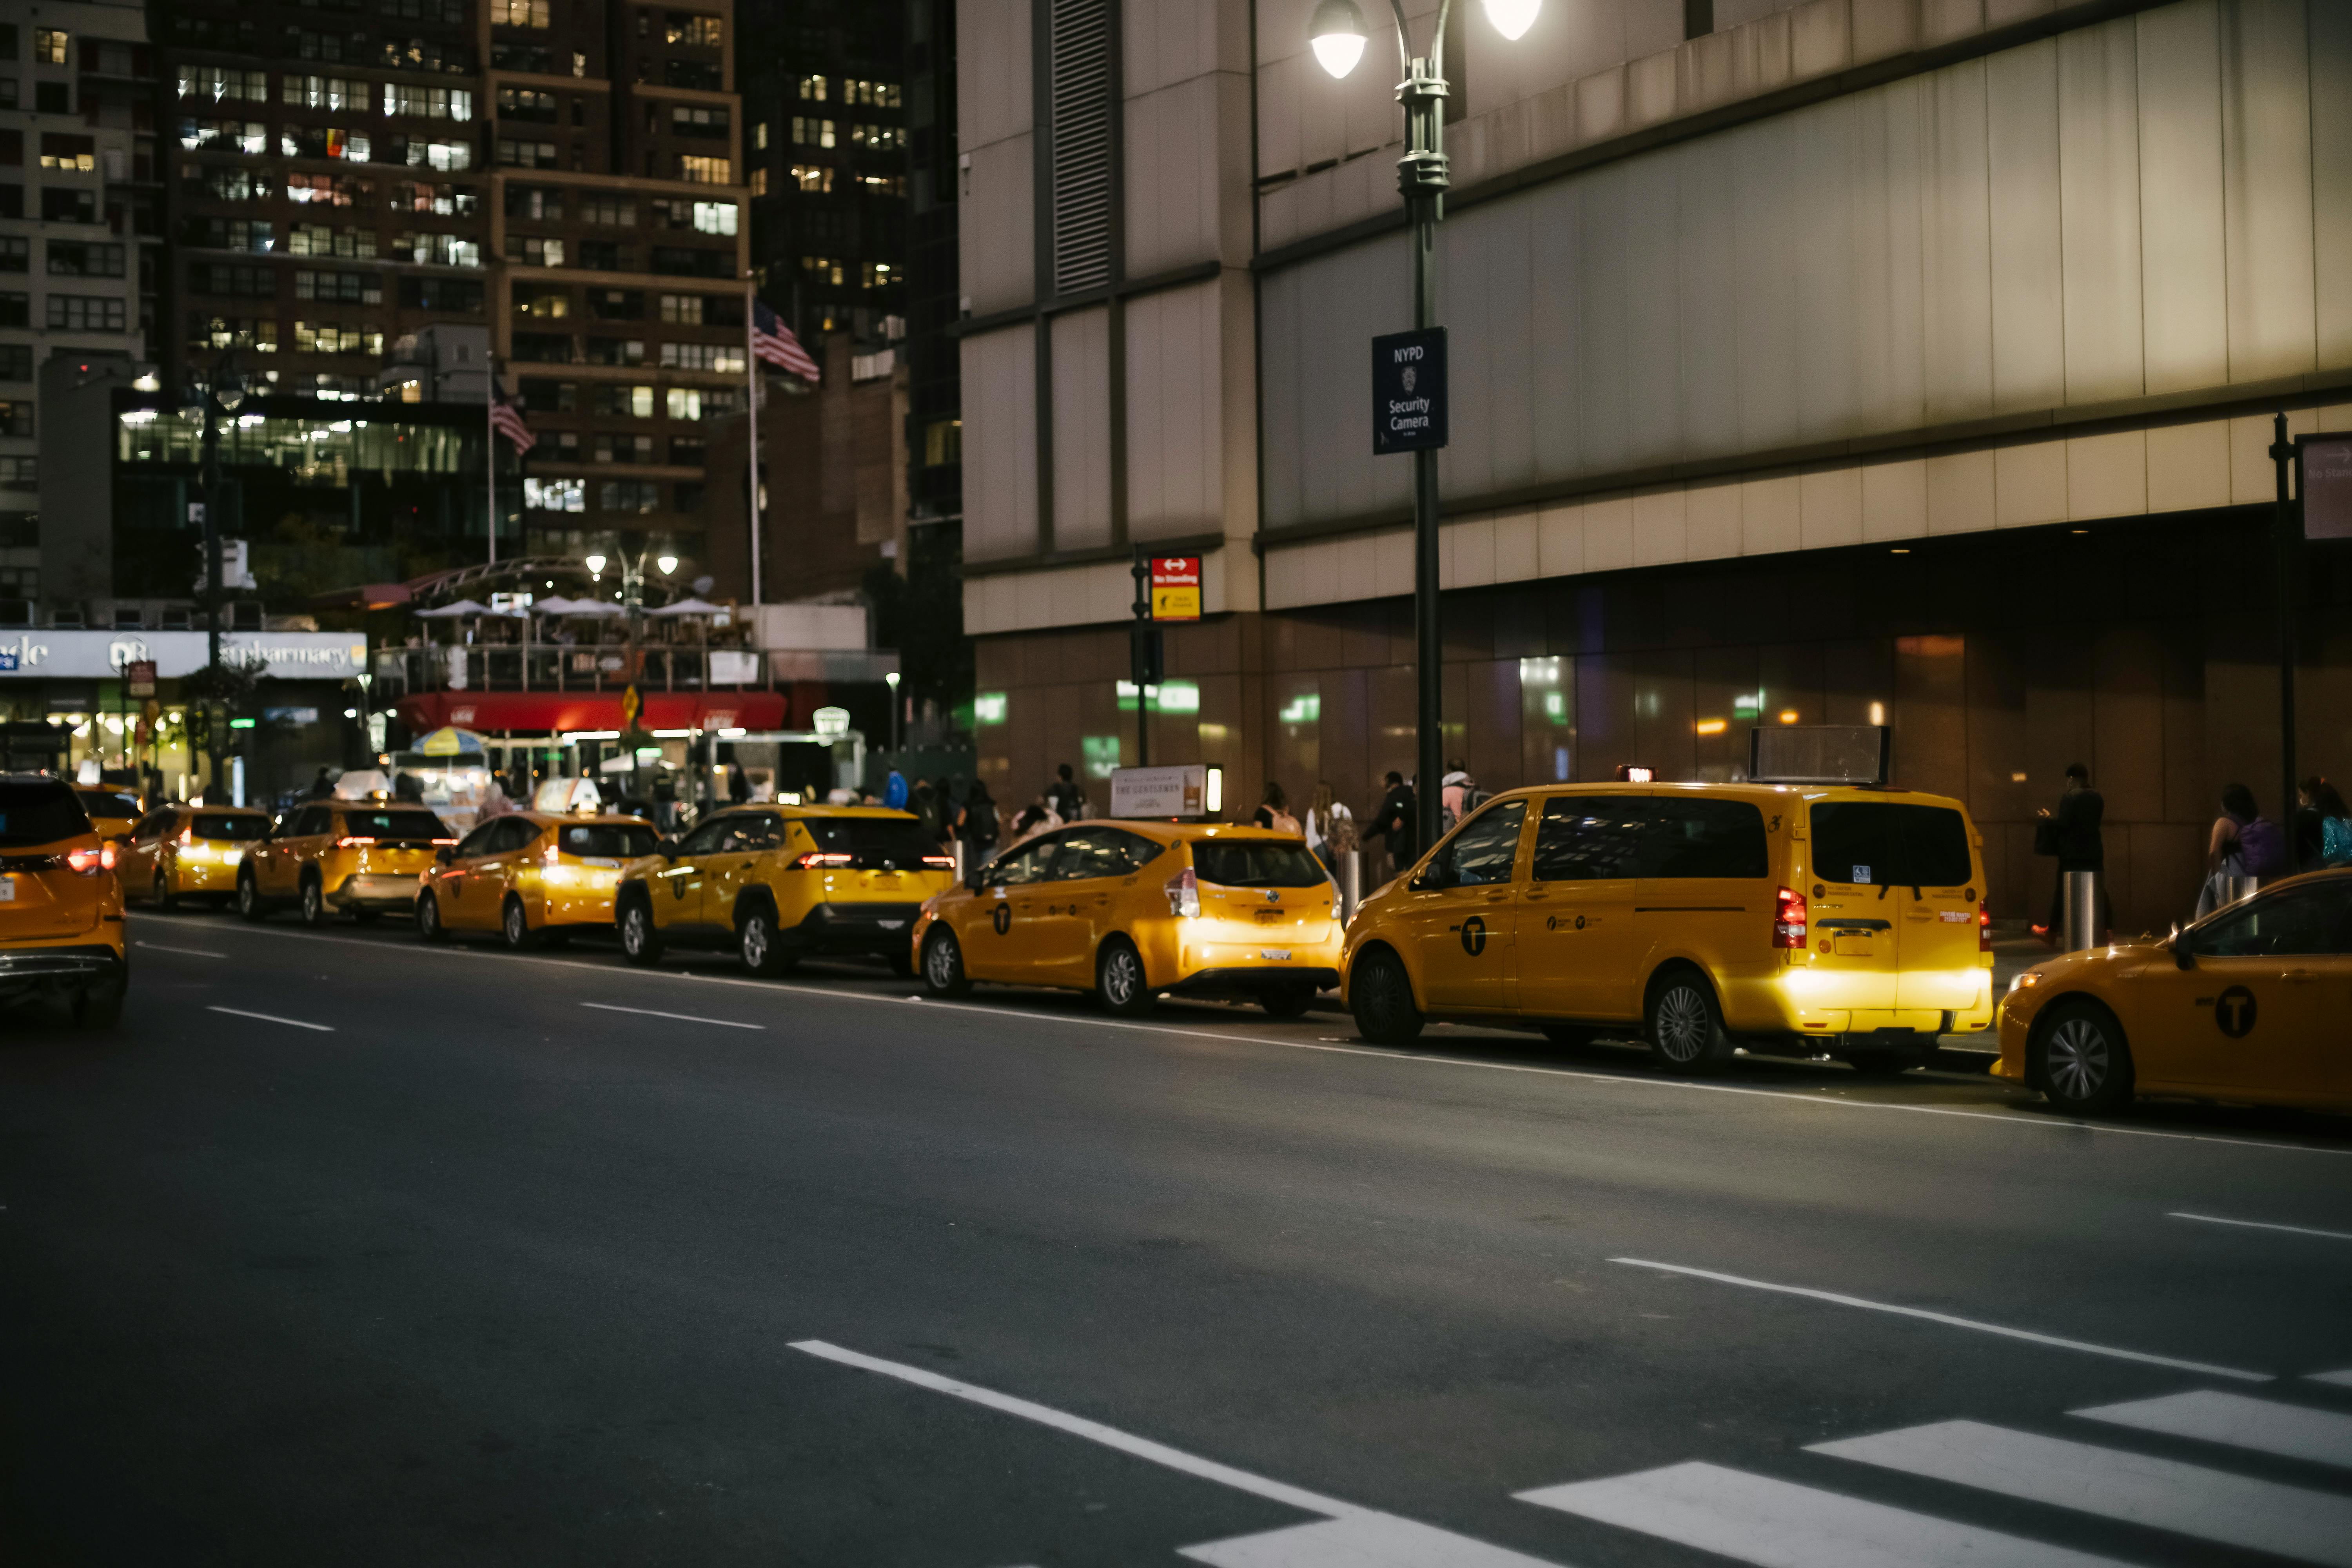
(752, 403)
(490, 451)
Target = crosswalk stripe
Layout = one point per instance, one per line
(2290, 1431)
(1778, 1524)
(1360, 1541)
(2162, 1494)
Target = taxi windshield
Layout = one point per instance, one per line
(38, 810)
(382, 825)
(608, 840)
(878, 843)
(1871, 841)
(1255, 863)
(221, 824)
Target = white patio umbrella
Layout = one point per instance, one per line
(689, 608)
(462, 608)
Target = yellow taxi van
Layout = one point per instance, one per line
(181, 851)
(1133, 910)
(1837, 919)
(362, 857)
(780, 882)
(2254, 1003)
(530, 876)
(61, 903)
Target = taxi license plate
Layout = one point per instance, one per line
(8, 889)
(1277, 954)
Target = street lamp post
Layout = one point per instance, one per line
(891, 681)
(1336, 32)
(208, 397)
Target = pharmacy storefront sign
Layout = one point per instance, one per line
(82, 655)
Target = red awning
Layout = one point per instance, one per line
(541, 712)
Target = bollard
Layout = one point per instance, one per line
(957, 848)
(1352, 885)
(2236, 889)
(2082, 911)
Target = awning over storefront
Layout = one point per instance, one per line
(541, 712)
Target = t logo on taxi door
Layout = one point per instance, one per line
(1474, 936)
(2234, 1011)
(1001, 917)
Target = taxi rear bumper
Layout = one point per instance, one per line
(374, 890)
(1254, 980)
(853, 927)
(76, 961)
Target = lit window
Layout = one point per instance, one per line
(703, 170)
(49, 47)
(685, 402)
(817, 177)
(714, 217)
(812, 90)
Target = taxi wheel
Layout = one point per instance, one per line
(1685, 1028)
(164, 897)
(1286, 1000)
(641, 943)
(514, 924)
(1381, 995)
(943, 973)
(1119, 984)
(428, 920)
(314, 902)
(764, 953)
(248, 899)
(2081, 1062)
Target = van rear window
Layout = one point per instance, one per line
(1870, 841)
(39, 812)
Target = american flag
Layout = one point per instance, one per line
(507, 420)
(773, 341)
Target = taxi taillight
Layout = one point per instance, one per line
(349, 842)
(1984, 926)
(822, 859)
(187, 835)
(940, 862)
(551, 854)
(90, 862)
(1185, 895)
(1789, 918)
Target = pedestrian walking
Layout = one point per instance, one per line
(2244, 843)
(2072, 834)
(2331, 823)
(1330, 828)
(1069, 801)
(321, 787)
(1455, 791)
(738, 788)
(1274, 810)
(1392, 823)
(976, 826)
(924, 801)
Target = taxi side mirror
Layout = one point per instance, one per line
(2183, 957)
(667, 848)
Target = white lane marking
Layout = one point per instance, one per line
(1948, 1320)
(2264, 1224)
(1778, 1524)
(1088, 1022)
(1365, 1540)
(273, 1018)
(2161, 1494)
(2340, 1379)
(681, 1017)
(191, 951)
(2290, 1431)
(1405, 1543)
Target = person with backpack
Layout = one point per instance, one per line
(1274, 811)
(1069, 801)
(2330, 826)
(1394, 822)
(976, 828)
(2244, 843)
(1454, 794)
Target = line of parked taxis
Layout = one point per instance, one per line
(1701, 918)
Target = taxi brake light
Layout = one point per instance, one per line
(1185, 895)
(817, 859)
(940, 862)
(1789, 918)
(1984, 925)
(347, 842)
(90, 862)
(551, 854)
(444, 841)
(187, 835)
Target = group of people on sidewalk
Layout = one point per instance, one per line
(2242, 842)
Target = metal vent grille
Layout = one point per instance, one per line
(1082, 150)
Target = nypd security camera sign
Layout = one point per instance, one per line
(1409, 391)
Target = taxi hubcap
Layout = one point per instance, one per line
(2078, 1059)
(1119, 978)
(942, 964)
(755, 940)
(1682, 1023)
(515, 927)
(633, 930)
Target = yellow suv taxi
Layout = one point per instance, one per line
(178, 851)
(779, 882)
(530, 876)
(1132, 910)
(359, 857)
(1844, 921)
(2252, 1003)
(61, 903)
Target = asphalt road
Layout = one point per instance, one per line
(347, 1250)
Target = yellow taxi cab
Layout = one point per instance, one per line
(1831, 920)
(780, 883)
(530, 876)
(359, 857)
(177, 851)
(1135, 909)
(61, 903)
(2254, 1003)
(112, 811)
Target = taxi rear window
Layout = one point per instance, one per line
(111, 805)
(608, 840)
(879, 843)
(1868, 841)
(395, 825)
(234, 830)
(39, 812)
(1260, 863)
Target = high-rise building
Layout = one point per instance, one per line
(562, 173)
(76, 166)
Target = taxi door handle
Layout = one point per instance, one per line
(1498, 898)
(2298, 977)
